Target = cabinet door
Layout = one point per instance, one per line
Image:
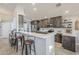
(66, 42)
(73, 44)
(55, 23)
(45, 23)
(51, 22)
(58, 22)
(40, 24)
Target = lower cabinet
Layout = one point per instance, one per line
(68, 42)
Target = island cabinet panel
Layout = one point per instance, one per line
(40, 46)
(68, 42)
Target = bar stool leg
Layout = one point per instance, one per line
(21, 41)
(26, 52)
(30, 48)
(34, 48)
(16, 45)
(22, 49)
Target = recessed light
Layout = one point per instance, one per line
(58, 4)
(33, 3)
(67, 11)
(45, 17)
(35, 9)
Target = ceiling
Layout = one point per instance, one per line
(43, 10)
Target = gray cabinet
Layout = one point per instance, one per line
(68, 42)
(56, 22)
(59, 22)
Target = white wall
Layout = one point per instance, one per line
(5, 29)
(18, 11)
(13, 23)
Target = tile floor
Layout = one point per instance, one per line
(5, 49)
(59, 50)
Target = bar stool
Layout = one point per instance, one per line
(17, 41)
(28, 43)
(12, 40)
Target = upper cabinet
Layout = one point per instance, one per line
(59, 22)
(55, 22)
(44, 23)
(52, 22)
(40, 23)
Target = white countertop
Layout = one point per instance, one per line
(69, 34)
(37, 34)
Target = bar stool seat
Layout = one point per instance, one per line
(18, 37)
(29, 43)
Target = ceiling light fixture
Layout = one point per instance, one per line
(35, 9)
(66, 11)
(45, 17)
(33, 3)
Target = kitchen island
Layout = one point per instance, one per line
(44, 43)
